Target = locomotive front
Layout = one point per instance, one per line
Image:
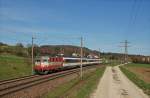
(41, 65)
(45, 64)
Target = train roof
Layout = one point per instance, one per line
(72, 58)
(80, 58)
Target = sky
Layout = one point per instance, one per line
(103, 24)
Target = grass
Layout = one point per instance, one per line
(138, 65)
(90, 83)
(13, 66)
(77, 88)
(133, 77)
(113, 62)
(142, 70)
(58, 91)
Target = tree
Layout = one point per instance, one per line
(20, 45)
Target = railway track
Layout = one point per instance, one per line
(7, 87)
(2, 82)
(17, 84)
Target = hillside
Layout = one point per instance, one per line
(13, 66)
(54, 50)
(67, 50)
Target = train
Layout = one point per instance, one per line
(45, 64)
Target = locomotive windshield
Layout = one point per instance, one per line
(44, 60)
(37, 60)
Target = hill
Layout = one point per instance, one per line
(66, 50)
(13, 66)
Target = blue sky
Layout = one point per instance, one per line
(102, 23)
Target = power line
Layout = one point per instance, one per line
(125, 45)
(133, 14)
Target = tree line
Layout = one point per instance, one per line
(52, 50)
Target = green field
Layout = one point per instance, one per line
(138, 73)
(13, 66)
(77, 88)
(138, 65)
(113, 62)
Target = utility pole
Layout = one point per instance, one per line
(81, 56)
(125, 50)
(32, 53)
(99, 56)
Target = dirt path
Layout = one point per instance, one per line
(114, 84)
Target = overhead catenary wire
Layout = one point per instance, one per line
(133, 14)
(57, 40)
